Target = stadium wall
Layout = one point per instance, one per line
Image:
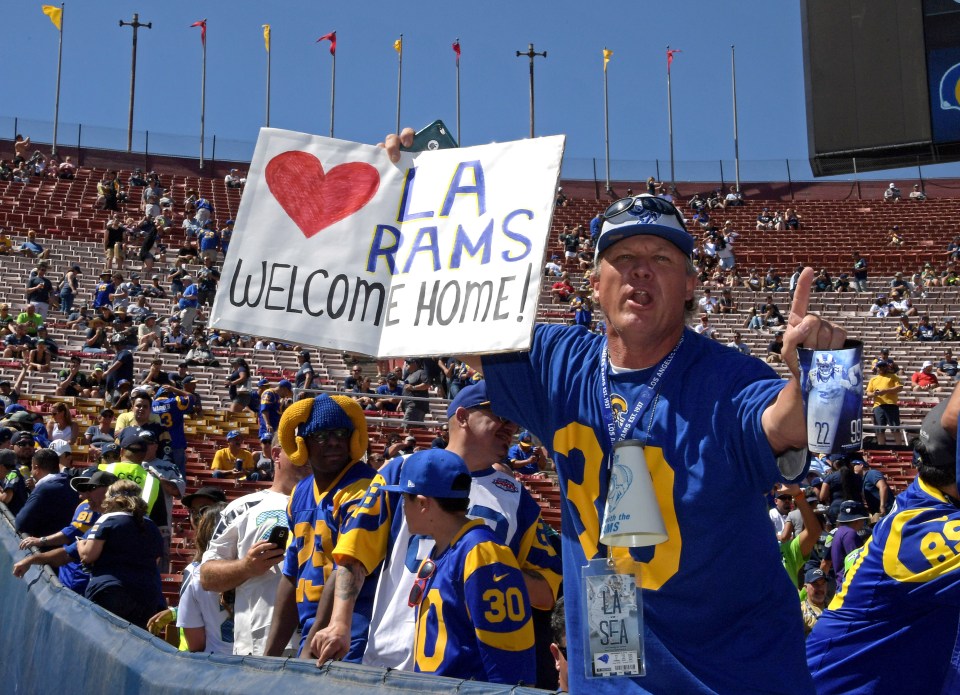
(56, 641)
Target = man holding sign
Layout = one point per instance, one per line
(711, 447)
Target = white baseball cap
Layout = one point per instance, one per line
(643, 214)
(61, 447)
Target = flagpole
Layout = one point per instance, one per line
(56, 105)
(269, 54)
(459, 136)
(203, 99)
(333, 90)
(399, 81)
(670, 117)
(606, 122)
(736, 139)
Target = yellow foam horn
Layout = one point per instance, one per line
(294, 416)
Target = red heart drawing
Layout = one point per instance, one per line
(315, 199)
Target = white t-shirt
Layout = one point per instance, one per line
(778, 520)
(243, 522)
(199, 608)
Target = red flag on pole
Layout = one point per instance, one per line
(670, 52)
(332, 38)
(203, 30)
(456, 49)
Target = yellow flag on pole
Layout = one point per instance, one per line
(398, 45)
(266, 37)
(55, 14)
(607, 54)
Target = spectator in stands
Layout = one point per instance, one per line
(895, 604)
(239, 377)
(708, 304)
(122, 550)
(234, 179)
(18, 344)
(948, 332)
(726, 303)
(851, 518)
(61, 424)
(39, 358)
(738, 344)
(6, 244)
(31, 248)
(562, 290)
(67, 169)
(205, 617)
(753, 283)
(812, 607)
(775, 349)
(271, 407)
(39, 291)
(917, 195)
(175, 340)
(753, 321)
(885, 390)
(877, 494)
(525, 458)
(770, 312)
(925, 379)
(416, 385)
(30, 319)
(891, 194)
(926, 331)
(765, 220)
(430, 508)
(881, 307)
(69, 288)
(233, 461)
(95, 338)
(172, 405)
(859, 272)
(329, 433)
(733, 199)
(50, 506)
(896, 237)
(842, 283)
(101, 434)
(201, 355)
(13, 488)
(188, 303)
(240, 557)
(149, 335)
(905, 331)
(948, 366)
(772, 281)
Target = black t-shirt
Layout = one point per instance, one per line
(43, 293)
(129, 556)
(125, 371)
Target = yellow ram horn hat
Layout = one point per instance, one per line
(300, 412)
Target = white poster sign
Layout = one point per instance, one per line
(337, 247)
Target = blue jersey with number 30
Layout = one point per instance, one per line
(474, 620)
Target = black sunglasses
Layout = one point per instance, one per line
(336, 433)
(427, 568)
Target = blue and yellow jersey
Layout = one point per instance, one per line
(317, 518)
(269, 410)
(900, 603)
(171, 411)
(474, 620)
(72, 574)
(705, 442)
(209, 239)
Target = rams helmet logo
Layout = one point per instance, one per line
(619, 406)
(950, 89)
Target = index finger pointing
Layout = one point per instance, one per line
(801, 297)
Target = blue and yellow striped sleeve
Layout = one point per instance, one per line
(365, 536)
(533, 549)
(496, 600)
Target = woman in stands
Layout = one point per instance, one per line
(61, 424)
(206, 617)
(122, 551)
(39, 358)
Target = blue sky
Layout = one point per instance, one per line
(494, 82)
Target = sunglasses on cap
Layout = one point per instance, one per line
(427, 568)
(647, 203)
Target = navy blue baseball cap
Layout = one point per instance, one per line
(851, 510)
(813, 575)
(643, 215)
(284, 384)
(434, 473)
(471, 396)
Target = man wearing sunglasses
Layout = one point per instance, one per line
(473, 618)
(901, 595)
(705, 437)
(328, 433)
(378, 533)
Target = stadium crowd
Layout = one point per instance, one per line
(434, 556)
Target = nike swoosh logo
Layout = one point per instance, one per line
(498, 577)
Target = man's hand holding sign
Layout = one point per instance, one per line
(344, 246)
